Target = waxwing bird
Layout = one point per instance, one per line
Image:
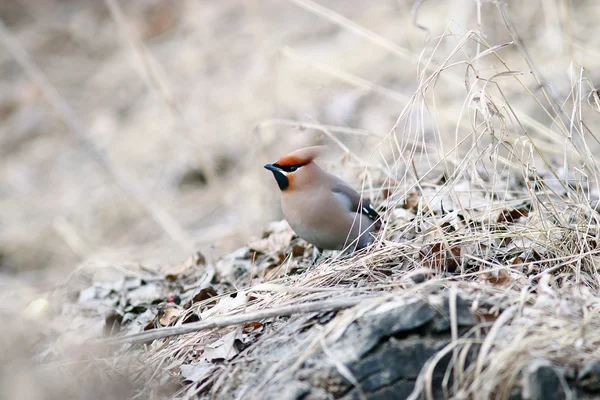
(320, 207)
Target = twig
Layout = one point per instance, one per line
(220, 322)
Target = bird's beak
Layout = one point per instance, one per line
(280, 176)
(272, 167)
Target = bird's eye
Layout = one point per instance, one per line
(291, 168)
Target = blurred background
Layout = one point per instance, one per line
(135, 131)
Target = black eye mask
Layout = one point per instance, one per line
(288, 168)
(280, 177)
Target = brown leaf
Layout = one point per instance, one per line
(168, 313)
(385, 271)
(437, 257)
(411, 202)
(273, 271)
(499, 277)
(510, 216)
(204, 294)
(486, 316)
(252, 327)
(517, 260)
(453, 260)
(298, 250)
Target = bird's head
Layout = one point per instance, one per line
(296, 165)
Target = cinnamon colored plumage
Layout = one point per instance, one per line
(320, 207)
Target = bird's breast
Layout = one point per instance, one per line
(321, 219)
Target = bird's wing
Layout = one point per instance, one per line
(353, 201)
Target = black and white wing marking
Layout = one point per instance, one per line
(353, 201)
(369, 211)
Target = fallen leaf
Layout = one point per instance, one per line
(499, 276)
(436, 256)
(234, 264)
(190, 266)
(252, 327)
(298, 250)
(276, 239)
(510, 216)
(168, 313)
(205, 294)
(195, 372)
(411, 202)
(225, 305)
(224, 348)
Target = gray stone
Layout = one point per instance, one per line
(588, 378)
(464, 317)
(364, 334)
(395, 359)
(543, 382)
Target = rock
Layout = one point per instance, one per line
(391, 371)
(387, 320)
(296, 391)
(543, 382)
(463, 315)
(588, 378)
(395, 359)
(386, 349)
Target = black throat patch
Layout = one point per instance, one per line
(281, 179)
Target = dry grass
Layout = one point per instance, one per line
(487, 180)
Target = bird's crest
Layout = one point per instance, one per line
(301, 156)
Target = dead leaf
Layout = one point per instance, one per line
(437, 257)
(195, 372)
(276, 239)
(486, 317)
(384, 271)
(143, 321)
(191, 265)
(205, 293)
(225, 305)
(234, 264)
(298, 250)
(224, 348)
(252, 327)
(411, 202)
(510, 216)
(499, 277)
(168, 313)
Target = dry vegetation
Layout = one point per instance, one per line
(133, 134)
